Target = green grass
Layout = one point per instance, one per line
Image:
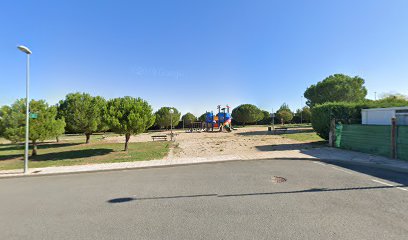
(307, 136)
(291, 125)
(73, 152)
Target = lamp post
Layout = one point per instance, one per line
(171, 123)
(273, 120)
(27, 52)
(301, 109)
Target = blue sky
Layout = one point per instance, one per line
(195, 55)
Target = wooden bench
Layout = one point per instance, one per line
(280, 130)
(160, 137)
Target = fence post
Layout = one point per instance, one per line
(393, 138)
(332, 133)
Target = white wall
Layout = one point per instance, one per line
(377, 117)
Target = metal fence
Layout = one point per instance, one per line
(388, 141)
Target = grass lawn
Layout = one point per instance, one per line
(74, 152)
(307, 136)
(289, 125)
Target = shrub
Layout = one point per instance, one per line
(323, 113)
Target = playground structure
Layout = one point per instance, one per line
(196, 127)
(220, 121)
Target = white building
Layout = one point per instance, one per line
(383, 116)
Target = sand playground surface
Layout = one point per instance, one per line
(202, 144)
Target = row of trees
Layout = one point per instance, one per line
(80, 113)
(248, 113)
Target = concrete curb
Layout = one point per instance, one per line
(326, 160)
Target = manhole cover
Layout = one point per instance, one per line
(276, 179)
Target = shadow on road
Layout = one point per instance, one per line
(312, 190)
(369, 169)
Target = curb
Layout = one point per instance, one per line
(329, 161)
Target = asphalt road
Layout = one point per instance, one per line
(232, 200)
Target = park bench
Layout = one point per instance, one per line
(160, 137)
(280, 130)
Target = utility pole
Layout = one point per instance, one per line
(375, 96)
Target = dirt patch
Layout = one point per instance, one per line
(203, 144)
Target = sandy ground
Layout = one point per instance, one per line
(202, 144)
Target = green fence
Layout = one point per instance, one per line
(402, 142)
(373, 139)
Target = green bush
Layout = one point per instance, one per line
(322, 113)
(247, 113)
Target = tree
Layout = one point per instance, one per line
(82, 113)
(303, 115)
(336, 88)
(4, 110)
(284, 114)
(203, 117)
(43, 127)
(393, 96)
(188, 118)
(102, 125)
(163, 117)
(266, 118)
(128, 116)
(247, 113)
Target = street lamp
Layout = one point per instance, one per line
(301, 109)
(171, 123)
(27, 52)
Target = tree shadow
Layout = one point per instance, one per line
(291, 146)
(74, 154)
(278, 132)
(20, 146)
(255, 133)
(372, 169)
(10, 156)
(311, 190)
(121, 200)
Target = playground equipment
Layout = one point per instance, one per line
(221, 121)
(196, 127)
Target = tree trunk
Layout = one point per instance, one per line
(127, 136)
(57, 138)
(34, 152)
(88, 136)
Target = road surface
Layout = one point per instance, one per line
(230, 200)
